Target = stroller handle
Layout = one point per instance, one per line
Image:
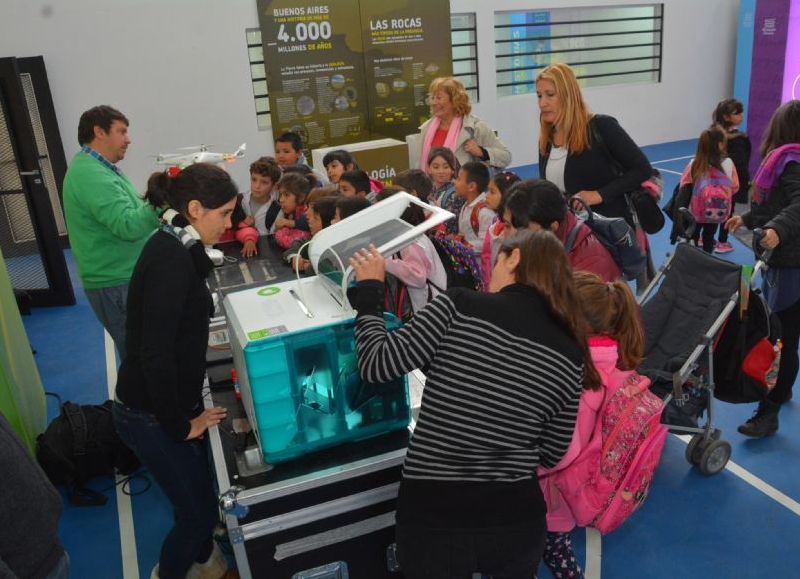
(762, 254)
(685, 223)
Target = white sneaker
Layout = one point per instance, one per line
(214, 568)
(154, 573)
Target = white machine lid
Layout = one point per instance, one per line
(380, 224)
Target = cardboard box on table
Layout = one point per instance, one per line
(382, 159)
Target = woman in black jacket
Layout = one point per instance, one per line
(584, 154)
(500, 399)
(776, 209)
(158, 410)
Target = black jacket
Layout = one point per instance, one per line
(781, 213)
(169, 307)
(739, 152)
(614, 168)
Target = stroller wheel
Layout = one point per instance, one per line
(715, 456)
(694, 449)
(696, 446)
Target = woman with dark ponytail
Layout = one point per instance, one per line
(158, 410)
(506, 373)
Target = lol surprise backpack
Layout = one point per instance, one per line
(712, 197)
(620, 476)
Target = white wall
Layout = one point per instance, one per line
(179, 70)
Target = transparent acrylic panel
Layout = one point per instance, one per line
(612, 68)
(18, 240)
(44, 156)
(334, 261)
(253, 35)
(260, 88)
(522, 61)
(258, 71)
(462, 20)
(558, 16)
(256, 53)
(633, 78)
(463, 37)
(264, 122)
(464, 52)
(9, 170)
(470, 81)
(616, 43)
(465, 67)
(262, 105)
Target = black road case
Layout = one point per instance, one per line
(331, 506)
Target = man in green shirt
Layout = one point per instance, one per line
(107, 221)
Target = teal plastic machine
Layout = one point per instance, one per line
(294, 347)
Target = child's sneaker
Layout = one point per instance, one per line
(723, 247)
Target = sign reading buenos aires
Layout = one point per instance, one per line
(343, 71)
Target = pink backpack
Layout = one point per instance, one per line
(712, 197)
(607, 487)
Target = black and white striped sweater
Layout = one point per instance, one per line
(501, 398)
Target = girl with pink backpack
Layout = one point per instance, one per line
(618, 437)
(714, 182)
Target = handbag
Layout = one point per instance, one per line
(646, 211)
(614, 233)
(642, 202)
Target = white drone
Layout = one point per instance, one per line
(198, 154)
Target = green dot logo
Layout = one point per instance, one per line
(268, 291)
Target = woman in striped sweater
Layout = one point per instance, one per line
(506, 373)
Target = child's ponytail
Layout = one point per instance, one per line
(627, 326)
(710, 152)
(611, 310)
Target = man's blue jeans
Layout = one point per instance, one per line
(182, 470)
(110, 305)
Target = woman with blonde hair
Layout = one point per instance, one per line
(585, 154)
(453, 125)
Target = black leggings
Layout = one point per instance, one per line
(707, 231)
(790, 336)
(452, 553)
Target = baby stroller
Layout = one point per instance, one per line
(697, 339)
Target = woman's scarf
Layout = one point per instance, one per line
(190, 239)
(771, 168)
(451, 141)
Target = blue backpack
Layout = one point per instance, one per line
(616, 235)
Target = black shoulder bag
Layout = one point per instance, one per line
(645, 210)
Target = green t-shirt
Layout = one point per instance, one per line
(107, 221)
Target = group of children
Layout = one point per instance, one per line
(277, 202)
(287, 200)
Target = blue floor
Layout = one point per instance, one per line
(691, 526)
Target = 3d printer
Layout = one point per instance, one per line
(294, 347)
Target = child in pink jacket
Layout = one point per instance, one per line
(616, 347)
(499, 186)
